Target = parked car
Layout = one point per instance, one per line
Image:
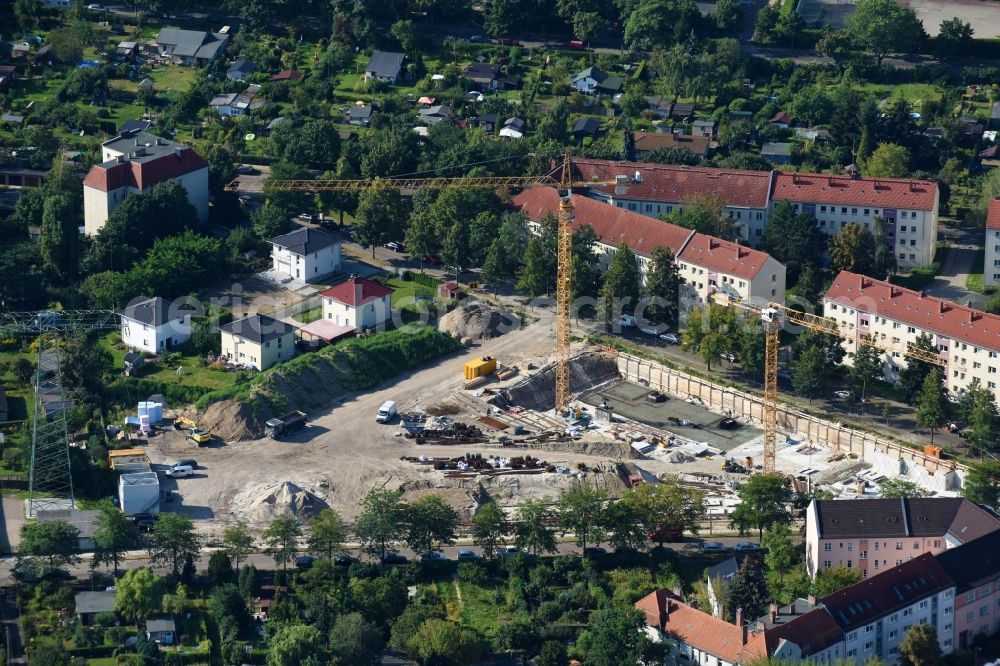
(843, 395)
(713, 547)
(432, 556)
(670, 338)
(744, 546)
(307, 217)
(507, 551)
(507, 41)
(394, 558)
(245, 199)
(190, 462)
(304, 561)
(395, 246)
(729, 356)
(475, 39)
(345, 560)
(626, 321)
(97, 8)
(467, 556)
(180, 471)
(245, 170)
(432, 260)
(650, 330)
(661, 551)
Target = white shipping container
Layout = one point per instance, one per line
(139, 493)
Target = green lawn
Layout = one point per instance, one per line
(479, 607)
(915, 93)
(975, 280)
(309, 316)
(173, 78)
(407, 292)
(193, 375)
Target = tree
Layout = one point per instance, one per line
(880, 27)
(983, 419)
(380, 525)
(489, 528)
(82, 362)
(867, 366)
(282, 540)
(238, 543)
(728, 15)
(405, 626)
(672, 155)
(911, 378)
(316, 142)
(59, 236)
(138, 594)
(920, 647)
(662, 288)
(429, 522)
(614, 636)
(173, 540)
(930, 404)
(666, 507)
(828, 581)
(55, 541)
(810, 371)
(852, 249)
(748, 591)
(327, 534)
(531, 528)
(114, 534)
(780, 552)
(27, 12)
(553, 125)
(710, 331)
(649, 24)
(794, 239)
(553, 654)
(883, 255)
(354, 640)
(248, 581)
(66, 45)
(706, 215)
(900, 488)
(269, 220)
(764, 502)
(220, 567)
(494, 271)
(446, 643)
(501, 16)
(889, 160)
(296, 645)
(580, 512)
(406, 34)
(954, 38)
(455, 248)
(621, 284)
(379, 217)
(533, 277)
(982, 483)
(586, 25)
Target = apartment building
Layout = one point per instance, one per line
(909, 206)
(875, 614)
(874, 535)
(975, 570)
(706, 264)
(968, 340)
(134, 162)
(991, 261)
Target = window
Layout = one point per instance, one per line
(970, 616)
(984, 590)
(828, 547)
(854, 211)
(869, 645)
(850, 546)
(923, 604)
(895, 616)
(826, 564)
(843, 210)
(853, 636)
(866, 211)
(907, 612)
(899, 544)
(970, 596)
(984, 610)
(870, 628)
(822, 209)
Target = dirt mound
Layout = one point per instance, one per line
(585, 371)
(231, 420)
(477, 322)
(262, 504)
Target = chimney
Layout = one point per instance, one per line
(739, 617)
(357, 293)
(774, 613)
(968, 304)
(811, 599)
(743, 635)
(177, 152)
(791, 608)
(135, 142)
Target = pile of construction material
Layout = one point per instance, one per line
(442, 430)
(473, 464)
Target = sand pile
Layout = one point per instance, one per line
(477, 322)
(231, 420)
(260, 503)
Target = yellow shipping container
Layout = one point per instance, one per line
(480, 367)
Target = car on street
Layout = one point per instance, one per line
(670, 338)
(713, 547)
(245, 170)
(395, 246)
(394, 558)
(97, 8)
(650, 330)
(476, 39)
(729, 356)
(744, 546)
(345, 560)
(304, 561)
(306, 217)
(843, 395)
(626, 321)
(467, 556)
(432, 556)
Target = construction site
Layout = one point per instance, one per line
(481, 425)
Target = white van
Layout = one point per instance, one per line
(180, 471)
(386, 412)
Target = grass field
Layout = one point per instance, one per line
(193, 375)
(309, 316)
(408, 292)
(975, 280)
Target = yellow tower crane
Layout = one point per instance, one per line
(773, 316)
(564, 254)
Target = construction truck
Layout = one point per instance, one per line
(200, 437)
(275, 428)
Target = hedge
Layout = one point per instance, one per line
(127, 391)
(425, 280)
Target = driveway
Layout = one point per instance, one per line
(958, 264)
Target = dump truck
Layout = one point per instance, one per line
(275, 428)
(199, 437)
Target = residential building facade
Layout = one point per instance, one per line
(874, 535)
(975, 569)
(134, 162)
(967, 340)
(257, 341)
(191, 47)
(154, 325)
(991, 259)
(385, 66)
(706, 264)
(359, 303)
(305, 255)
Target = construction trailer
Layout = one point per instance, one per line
(139, 493)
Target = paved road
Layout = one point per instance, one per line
(951, 280)
(9, 621)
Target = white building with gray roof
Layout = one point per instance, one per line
(155, 325)
(191, 47)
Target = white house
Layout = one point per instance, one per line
(134, 162)
(258, 341)
(991, 263)
(305, 255)
(153, 325)
(359, 303)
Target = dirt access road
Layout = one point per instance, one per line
(344, 453)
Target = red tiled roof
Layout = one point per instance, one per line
(648, 141)
(724, 256)
(993, 214)
(676, 183)
(895, 588)
(842, 190)
(143, 175)
(699, 629)
(612, 224)
(287, 75)
(812, 631)
(356, 291)
(934, 315)
(781, 117)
